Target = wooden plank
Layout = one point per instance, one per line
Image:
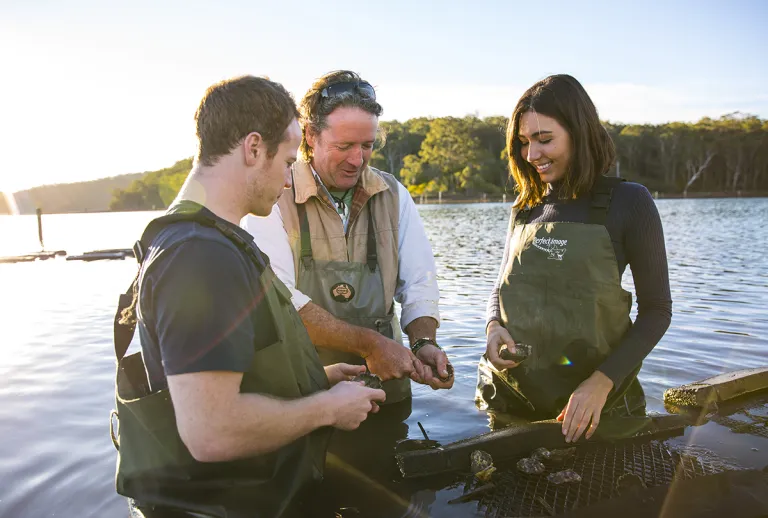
(718, 389)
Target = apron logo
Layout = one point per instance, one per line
(342, 292)
(556, 248)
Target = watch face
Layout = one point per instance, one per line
(342, 292)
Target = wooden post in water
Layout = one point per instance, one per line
(439, 196)
(504, 198)
(40, 227)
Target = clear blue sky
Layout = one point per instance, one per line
(93, 89)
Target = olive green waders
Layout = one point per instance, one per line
(352, 292)
(155, 468)
(561, 295)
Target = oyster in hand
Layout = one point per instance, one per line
(370, 380)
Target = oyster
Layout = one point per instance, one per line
(541, 454)
(531, 466)
(562, 455)
(370, 380)
(480, 461)
(448, 367)
(519, 353)
(564, 477)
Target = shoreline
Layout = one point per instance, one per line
(452, 199)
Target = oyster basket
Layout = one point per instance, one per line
(518, 494)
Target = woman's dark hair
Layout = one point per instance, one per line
(564, 99)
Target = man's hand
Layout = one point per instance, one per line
(342, 372)
(350, 402)
(432, 357)
(497, 337)
(585, 405)
(388, 359)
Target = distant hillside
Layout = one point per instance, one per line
(92, 196)
(154, 191)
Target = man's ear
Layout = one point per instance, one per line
(253, 148)
(311, 137)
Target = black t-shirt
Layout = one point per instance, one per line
(201, 306)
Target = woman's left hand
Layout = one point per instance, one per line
(342, 372)
(584, 406)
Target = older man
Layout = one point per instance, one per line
(348, 242)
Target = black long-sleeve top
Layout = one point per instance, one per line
(638, 240)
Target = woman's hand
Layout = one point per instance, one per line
(497, 336)
(585, 405)
(342, 372)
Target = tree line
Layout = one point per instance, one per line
(467, 156)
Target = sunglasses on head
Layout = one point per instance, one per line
(362, 87)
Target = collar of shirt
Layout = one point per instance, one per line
(344, 215)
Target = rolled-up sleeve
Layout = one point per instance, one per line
(272, 239)
(416, 289)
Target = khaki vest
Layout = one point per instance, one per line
(329, 242)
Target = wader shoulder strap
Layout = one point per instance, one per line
(371, 253)
(124, 324)
(306, 238)
(600, 201)
(602, 192)
(520, 216)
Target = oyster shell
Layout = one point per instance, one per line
(519, 353)
(564, 477)
(480, 461)
(562, 455)
(370, 380)
(530, 465)
(541, 454)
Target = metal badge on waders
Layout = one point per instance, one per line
(342, 292)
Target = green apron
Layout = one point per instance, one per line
(561, 295)
(352, 292)
(155, 468)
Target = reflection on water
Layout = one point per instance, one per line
(57, 363)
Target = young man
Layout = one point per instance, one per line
(348, 242)
(230, 413)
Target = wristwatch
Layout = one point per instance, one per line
(421, 342)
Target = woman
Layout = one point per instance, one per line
(560, 343)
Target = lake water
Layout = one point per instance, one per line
(57, 360)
